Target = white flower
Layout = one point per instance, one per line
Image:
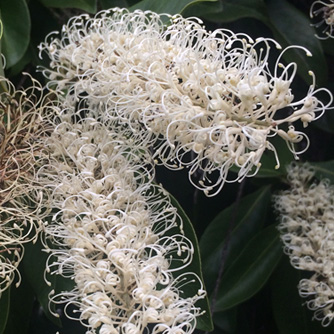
(115, 234)
(209, 99)
(307, 230)
(326, 12)
(21, 131)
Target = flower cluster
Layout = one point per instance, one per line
(115, 233)
(208, 100)
(326, 12)
(307, 230)
(21, 128)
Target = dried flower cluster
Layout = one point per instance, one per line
(307, 230)
(326, 12)
(208, 100)
(21, 131)
(115, 233)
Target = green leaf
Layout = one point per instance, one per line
(87, 5)
(204, 322)
(291, 27)
(324, 170)
(326, 121)
(1, 60)
(206, 9)
(328, 46)
(21, 305)
(251, 270)
(237, 9)
(249, 216)
(34, 263)
(4, 307)
(290, 312)
(106, 4)
(16, 30)
(165, 6)
(226, 321)
(19, 66)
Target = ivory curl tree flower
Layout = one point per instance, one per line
(307, 231)
(210, 100)
(115, 233)
(21, 133)
(326, 12)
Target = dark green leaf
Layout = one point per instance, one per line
(236, 9)
(165, 6)
(289, 309)
(4, 307)
(328, 46)
(87, 5)
(289, 314)
(16, 30)
(324, 170)
(292, 27)
(34, 263)
(204, 9)
(226, 321)
(1, 60)
(230, 231)
(326, 121)
(19, 66)
(251, 270)
(21, 304)
(204, 322)
(106, 4)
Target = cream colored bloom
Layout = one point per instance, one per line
(116, 233)
(208, 99)
(326, 12)
(307, 230)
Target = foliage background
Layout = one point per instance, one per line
(256, 289)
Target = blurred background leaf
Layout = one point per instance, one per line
(16, 30)
(291, 27)
(166, 6)
(86, 5)
(230, 231)
(21, 305)
(33, 265)
(231, 10)
(251, 269)
(324, 169)
(290, 312)
(4, 307)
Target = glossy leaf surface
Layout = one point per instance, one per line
(4, 307)
(16, 30)
(230, 231)
(251, 270)
(166, 6)
(282, 14)
(87, 5)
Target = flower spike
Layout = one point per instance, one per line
(208, 100)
